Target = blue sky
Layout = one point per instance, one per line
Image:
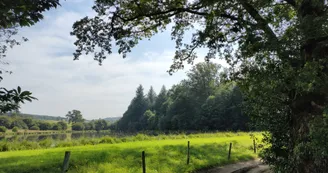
(45, 66)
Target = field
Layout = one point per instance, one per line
(162, 155)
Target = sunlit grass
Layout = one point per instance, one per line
(162, 156)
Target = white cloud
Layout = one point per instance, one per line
(45, 66)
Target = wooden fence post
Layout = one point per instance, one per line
(143, 162)
(188, 153)
(229, 151)
(66, 160)
(254, 145)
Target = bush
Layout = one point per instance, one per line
(35, 127)
(15, 129)
(45, 125)
(45, 143)
(3, 129)
(19, 123)
(5, 121)
(56, 127)
(63, 125)
(78, 126)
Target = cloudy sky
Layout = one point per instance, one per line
(45, 66)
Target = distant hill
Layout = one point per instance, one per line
(40, 117)
(112, 119)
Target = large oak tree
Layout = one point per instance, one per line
(277, 50)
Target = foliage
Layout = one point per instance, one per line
(34, 128)
(78, 126)
(19, 123)
(3, 129)
(14, 129)
(5, 121)
(89, 125)
(62, 125)
(16, 14)
(24, 13)
(204, 101)
(134, 113)
(43, 125)
(277, 51)
(74, 116)
(10, 99)
(151, 98)
(100, 125)
(29, 122)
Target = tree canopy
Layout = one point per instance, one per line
(189, 105)
(277, 51)
(74, 116)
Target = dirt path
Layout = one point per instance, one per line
(254, 166)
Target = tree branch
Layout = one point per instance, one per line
(261, 22)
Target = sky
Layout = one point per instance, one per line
(44, 65)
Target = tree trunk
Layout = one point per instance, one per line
(309, 105)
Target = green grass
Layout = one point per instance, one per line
(162, 156)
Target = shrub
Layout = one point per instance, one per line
(19, 123)
(45, 125)
(35, 127)
(3, 129)
(5, 121)
(63, 125)
(15, 129)
(56, 127)
(78, 126)
(45, 143)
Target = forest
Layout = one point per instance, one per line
(204, 101)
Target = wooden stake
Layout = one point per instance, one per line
(143, 162)
(188, 153)
(229, 151)
(66, 160)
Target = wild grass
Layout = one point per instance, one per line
(14, 145)
(162, 155)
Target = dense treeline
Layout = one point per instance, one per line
(79, 123)
(203, 101)
(38, 117)
(21, 122)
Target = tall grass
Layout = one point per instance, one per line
(50, 143)
(123, 155)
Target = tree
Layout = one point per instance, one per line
(151, 97)
(277, 51)
(100, 125)
(74, 116)
(160, 100)
(149, 120)
(203, 80)
(29, 122)
(78, 126)
(89, 125)
(43, 125)
(63, 125)
(18, 123)
(136, 109)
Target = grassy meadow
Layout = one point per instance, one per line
(163, 155)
